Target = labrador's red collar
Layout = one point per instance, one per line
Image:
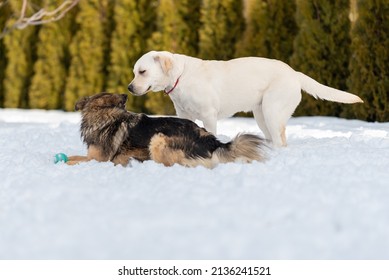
(169, 91)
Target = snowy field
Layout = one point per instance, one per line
(325, 196)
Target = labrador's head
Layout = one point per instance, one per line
(153, 72)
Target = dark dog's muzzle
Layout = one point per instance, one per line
(124, 97)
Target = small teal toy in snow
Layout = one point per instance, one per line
(60, 157)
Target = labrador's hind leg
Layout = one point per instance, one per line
(260, 119)
(278, 105)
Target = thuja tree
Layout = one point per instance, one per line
(87, 73)
(270, 29)
(322, 49)
(4, 14)
(128, 42)
(21, 55)
(369, 63)
(52, 65)
(222, 23)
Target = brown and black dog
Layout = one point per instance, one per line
(114, 134)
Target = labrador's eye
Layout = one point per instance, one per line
(142, 71)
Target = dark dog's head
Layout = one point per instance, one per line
(101, 101)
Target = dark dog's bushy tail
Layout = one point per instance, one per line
(243, 148)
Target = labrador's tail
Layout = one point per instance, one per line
(321, 91)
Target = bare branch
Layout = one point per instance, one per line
(40, 17)
(23, 11)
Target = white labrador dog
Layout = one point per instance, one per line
(209, 90)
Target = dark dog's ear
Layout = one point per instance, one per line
(166, 62)
(80, 104)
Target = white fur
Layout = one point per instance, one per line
(209, 90)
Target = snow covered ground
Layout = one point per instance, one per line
(325, 196)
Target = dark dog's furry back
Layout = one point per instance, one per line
(114, 134)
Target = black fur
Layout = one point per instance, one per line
(201, 143)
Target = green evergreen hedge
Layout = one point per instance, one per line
(94, 47)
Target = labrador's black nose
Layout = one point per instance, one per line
(131, 87)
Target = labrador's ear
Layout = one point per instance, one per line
(165, 62)
(80, 104)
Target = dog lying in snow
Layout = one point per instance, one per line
(209, 90)
(114, 134)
